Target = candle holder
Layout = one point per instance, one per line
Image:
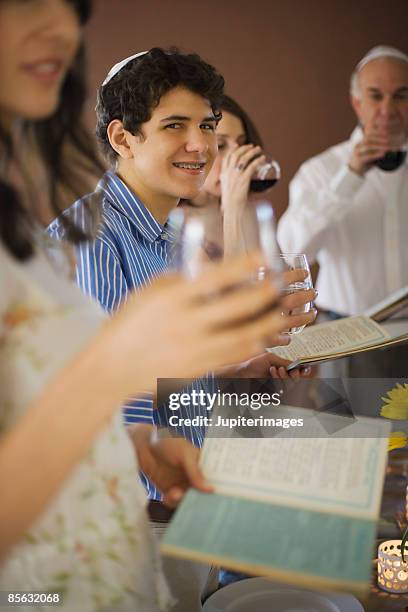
(392, 572)
(406, 503)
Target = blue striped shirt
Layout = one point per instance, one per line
(130, 249)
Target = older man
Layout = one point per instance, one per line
(349, 205)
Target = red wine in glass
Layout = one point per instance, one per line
(265, 177)
(260, 185)
(391, 160)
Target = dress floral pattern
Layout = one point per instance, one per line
(93, 543)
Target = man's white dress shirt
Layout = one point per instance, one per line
(355, 227)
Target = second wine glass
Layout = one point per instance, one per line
(297, 261)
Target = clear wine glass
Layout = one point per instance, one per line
(266, 176)
(257, 231)
(197, 239)
(297, 261)
(201, 238)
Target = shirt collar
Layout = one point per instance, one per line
(124, 200)
(356, 135)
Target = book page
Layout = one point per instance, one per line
(299, 510)
(332, 338)
(341, 475)
(298, 546)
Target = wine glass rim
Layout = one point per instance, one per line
(292, 254)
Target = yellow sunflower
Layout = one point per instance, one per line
(397, 439)
(396, 403)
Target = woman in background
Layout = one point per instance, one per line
(224, 199)
(72, 516)
(239, 149)
(226, 188)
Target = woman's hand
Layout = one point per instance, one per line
(238, 167)
(172, 464)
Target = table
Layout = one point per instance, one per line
(393, 509)
(384, 368)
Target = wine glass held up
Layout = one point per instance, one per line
(197, 245)
(245, 173)
(392, 160)
(197, 239)
(265, 176)
(262, 171)
(291, 271)
(292, 262)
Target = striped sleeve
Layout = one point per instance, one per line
(99, 274)
(139, 410)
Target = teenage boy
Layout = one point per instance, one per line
(156, 118)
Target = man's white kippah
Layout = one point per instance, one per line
(380, 52)
(118, 67)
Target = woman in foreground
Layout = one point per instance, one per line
(72, 515)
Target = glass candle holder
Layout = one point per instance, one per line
(392, 572)
(406, 503)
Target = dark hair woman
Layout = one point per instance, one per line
(236, 135)
(224, 197)
(58, 147)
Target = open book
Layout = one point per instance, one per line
(341, 338)
(393, 304)
(301, 510)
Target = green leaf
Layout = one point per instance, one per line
(30, 538)
(62, 576)
(112, 555)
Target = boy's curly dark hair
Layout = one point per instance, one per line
(135, 91)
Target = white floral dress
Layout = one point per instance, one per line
(93, 542)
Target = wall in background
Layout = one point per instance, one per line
(288, 63)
